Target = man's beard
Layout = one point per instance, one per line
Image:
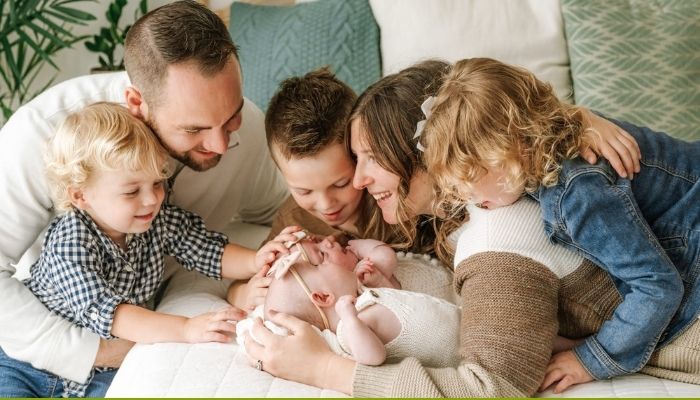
(185, 158)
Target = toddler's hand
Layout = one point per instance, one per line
(345, 307)
(267, 254)
(565, 370)
(213, 326)
(251, 294)
(561, 343)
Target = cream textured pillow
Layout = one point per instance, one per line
(529, 33)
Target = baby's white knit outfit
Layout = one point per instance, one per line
(429, 326)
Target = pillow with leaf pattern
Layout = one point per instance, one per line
(637, 61)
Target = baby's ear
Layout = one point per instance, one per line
(77, 198)
(323, 299)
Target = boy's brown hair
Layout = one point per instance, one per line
(307, 114)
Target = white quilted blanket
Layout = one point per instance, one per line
(220, 370)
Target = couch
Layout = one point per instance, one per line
(638, 61)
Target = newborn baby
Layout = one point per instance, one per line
(319, 282)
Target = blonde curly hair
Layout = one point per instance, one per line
(100, 137)
(488, 114)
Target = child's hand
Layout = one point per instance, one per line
(369, 275)
(213, 326)
(345, 307)
(561, 344)
(249, 295)
(565, 370)
(268, 252)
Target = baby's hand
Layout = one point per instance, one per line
(213, 326)
(565, 369)
(369, 275)
(252, 293)
(267, 254)
(345, 307)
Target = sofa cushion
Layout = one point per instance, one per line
(528, 33)
(638, 61)
(280, 42)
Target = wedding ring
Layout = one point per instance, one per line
(258, 365)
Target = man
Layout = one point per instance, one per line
(184, 81)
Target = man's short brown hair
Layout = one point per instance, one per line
(178, 32)
(308, 113)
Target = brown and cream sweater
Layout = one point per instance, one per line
(518, 291)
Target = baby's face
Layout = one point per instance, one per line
(329, 251)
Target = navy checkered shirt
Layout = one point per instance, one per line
(82, 275)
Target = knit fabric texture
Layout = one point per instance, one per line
(280, 42)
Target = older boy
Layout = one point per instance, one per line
(305, 125)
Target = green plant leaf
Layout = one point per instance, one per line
(28, 40)
(39, 30)
(10, 61)
(77, 14)
(57, 28)
(64, 17)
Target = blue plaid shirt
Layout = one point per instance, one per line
(82, 275)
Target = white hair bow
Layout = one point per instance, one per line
(282, 264)
(426, 107)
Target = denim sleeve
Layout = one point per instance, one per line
(604, 222)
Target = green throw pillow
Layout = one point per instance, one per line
(279, 42)
(637, 61)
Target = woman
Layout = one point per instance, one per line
(507, 328)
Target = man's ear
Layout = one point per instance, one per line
(135, 103)
(323, 299)
(77, 198)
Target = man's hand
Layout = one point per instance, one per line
(111, 352)
(565, 370)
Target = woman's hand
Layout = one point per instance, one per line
(602, 137)
(302, 356)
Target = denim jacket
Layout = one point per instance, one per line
(645, 233)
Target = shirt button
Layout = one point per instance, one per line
(129, 268)
(94, 316)
(373, 293)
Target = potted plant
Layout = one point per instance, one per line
(111, 37)
(31, 33)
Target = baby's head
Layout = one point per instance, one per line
(323, 272)
(107, 162)
(305, 124)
